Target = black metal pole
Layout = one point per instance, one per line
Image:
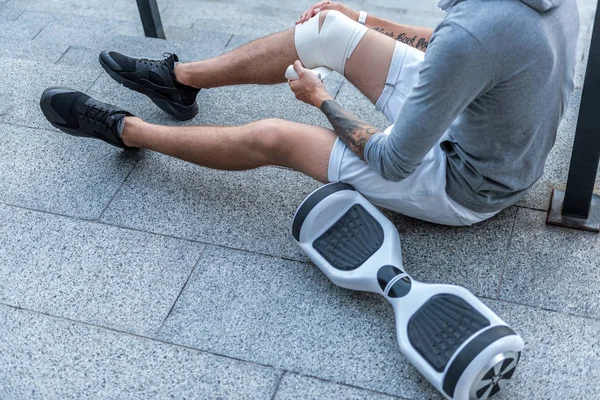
(577, 207)
(586, 149)
(150, 16)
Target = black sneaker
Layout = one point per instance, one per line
(154, 78)
(78, 114)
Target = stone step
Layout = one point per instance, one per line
(23, 83)
(115, 10)
(91, 272)
(210, 45)
(47, 170)
(289, 315)
(51, 358)
(256, 20)
(26, 49)
(294, 386)
(17, 24)
(556, 269)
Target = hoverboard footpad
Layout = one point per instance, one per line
(441, 326)
(348, 243)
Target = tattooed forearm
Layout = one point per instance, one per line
(352, 132)
(419, 43)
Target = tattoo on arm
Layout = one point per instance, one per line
(419, 43)
(352, 132)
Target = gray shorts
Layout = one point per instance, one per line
(423, 194)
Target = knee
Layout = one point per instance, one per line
(322, 16)
(335, 17)
(328, 41)
(268, 137)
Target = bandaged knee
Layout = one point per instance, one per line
(332, 45)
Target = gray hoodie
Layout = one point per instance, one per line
(495, 83)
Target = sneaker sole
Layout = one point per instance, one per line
(178, 111)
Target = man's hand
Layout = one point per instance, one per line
(327, 5)
(309, 88)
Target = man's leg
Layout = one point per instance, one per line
(265, 60)
(304, 148)
(262, 61)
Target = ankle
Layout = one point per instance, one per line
(132, 128)
(184, 75)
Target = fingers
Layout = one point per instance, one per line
(313, 10)
(294, 85)
(299, 68)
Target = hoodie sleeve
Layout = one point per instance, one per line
(456, 70)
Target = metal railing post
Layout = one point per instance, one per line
(151, 18)
(578, 207)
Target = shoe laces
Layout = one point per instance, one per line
(97, 114)
(159, 63)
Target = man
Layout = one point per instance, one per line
(475, 104)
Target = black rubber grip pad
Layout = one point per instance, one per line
(311, 202)
(441, 326)
(350, 242)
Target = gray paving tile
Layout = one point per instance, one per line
(287, 314)
(257, 19)
(128, 36)
(246, 210)
(472, 257)
(238, 40)
(66, 29)
(91, 8)
(250, 20)
(47, 358)
(20, 25)
(82, 57)
(207, 45)
(553, 268)
(22, 85)
(560, 360)
(51, 171)
(294, 386)
(211, 45)
(7, 13)
(424, 5)
(26, 49)
(91, 272)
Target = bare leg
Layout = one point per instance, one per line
(304, 148)
(265, 60)
(370, 62)
(262, 61)
(368, 66)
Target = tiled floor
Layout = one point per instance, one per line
(135, 275)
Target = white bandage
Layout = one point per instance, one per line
(333, 45)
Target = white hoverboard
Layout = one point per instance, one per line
(463, 348)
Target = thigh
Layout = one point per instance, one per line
(369, 65)
(422, 195)
(304, 148)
